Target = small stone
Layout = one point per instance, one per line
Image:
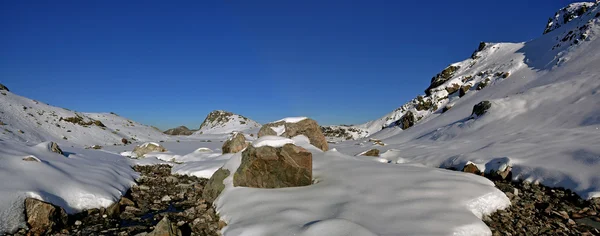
(78, 223)
(166, 198)
(571, 222)
(104, 216)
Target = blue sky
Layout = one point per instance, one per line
(167, 63)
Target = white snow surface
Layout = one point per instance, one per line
(230, 123)
(279, 129)
(352, 196)
(273, 141)
(80, 179)
(291, 119)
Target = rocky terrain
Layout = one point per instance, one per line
(181, 130)
(223, 122)
(160, 204)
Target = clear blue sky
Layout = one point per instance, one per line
(165, 64)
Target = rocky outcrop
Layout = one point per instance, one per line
(42, 217)
(372, 153)
(307, 127)
(181, 130)
(223, 122)
(274, 167)
(453, 88)
(566, 15)
(463, 90)
(215, 185)
(55, 148)
(407, 120)
(149, 147)
(235, 144)
(441, 78)
(2, 87)
(481, 108)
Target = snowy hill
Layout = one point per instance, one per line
(27, 120)
(222, 122)
(544, 117)
(490, 64)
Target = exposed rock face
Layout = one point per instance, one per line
(463, 90)
(55, 148)
(165, 228)
(441, 78)
(566, 15)
(235, 144)
(483, 84)
(2, 87)
(149, 147)
(215, 185)
(43, 217)
(270, 167)
(453, 88)
(372, 153)
(407, 120)
(306, 127)
(481, 108)
(223, 122)
(181, 130)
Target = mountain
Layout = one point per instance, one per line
(490, 64)
(27, 120)
(542, 109)
(222, 122)
(181, 130)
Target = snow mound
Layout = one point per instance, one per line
(83, 180)
(273, 141)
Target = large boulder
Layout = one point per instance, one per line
(2, 87)
(42, 217)
(148, 147)
(235, 144)
(274, 167)
(291, 128)
(372, 153)
(215, 185)
(181, 130)
(481, 108)
(464, 89)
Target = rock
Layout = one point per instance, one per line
(452, 89)
(307, 127)
(124, 141)
(166, 198)
(235, 144)
(96, 147)
(181, 130)
(55, 148)
(372, 153)
(270, 167)
(441, 78)
(463, 90)
(31, 158)
(446, 108)
(481, 108)
(483, 84)
(2, 87)
(215, 185)
(43, 217)
(407, 120)
(148, 147)
(165, 228)
(471, 168)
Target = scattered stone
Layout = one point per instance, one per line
(235, 144)
(165, 228)
(481, 108)
(43, 217)
(270, 167)
(31, 158)
(377, 142)
(55, 148)
(148, 147)
(373, 153)
(307, 127)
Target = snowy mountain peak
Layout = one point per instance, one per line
(567, 14)
(220, 122)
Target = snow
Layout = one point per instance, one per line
(273, 141)
(357, 197)
(81, 179)
(146, 144)
(232, 123)
(279, 129)
(291, 119)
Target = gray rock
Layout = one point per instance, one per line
(43, 217)
(481, 108)
(307, 127)
(149, 147)
(165, 228)
(181, 130)
(215, 185)
(55, 148)
(235, 144)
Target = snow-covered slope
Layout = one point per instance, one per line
(490, 64)
(222, 122)
(27, 120)
(544, 118)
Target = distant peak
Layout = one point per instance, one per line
(567, 14)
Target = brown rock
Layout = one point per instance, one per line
(124, 141)
(306, 127)
(463, 90)
(453, 88)
(181, 130)
(471, 168)
(43, 217)
(165, 228)
(235, 144)
(215, 185)
(372, 153)
(270, 167)
(407, 120)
